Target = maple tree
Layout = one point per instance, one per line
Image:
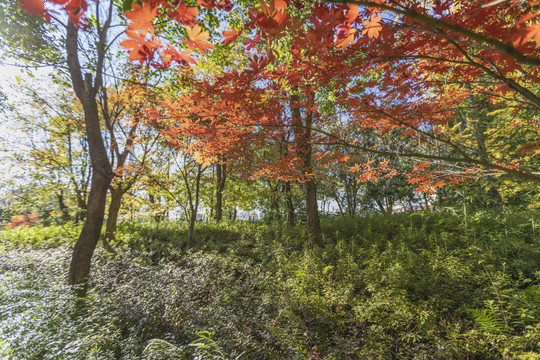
(409, 74)
(398, 68)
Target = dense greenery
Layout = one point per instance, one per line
(394, 286)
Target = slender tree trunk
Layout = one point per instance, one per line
(338, 202)
(191, 228)
(302, 135)
(380, 205)
(411, 207)
(275, 214)
(102, 173)
(426, 201)
(290, 204)
(157, 216)
(310, 190)
(112, 215)
(389, 205)
(221, 176)
(193, 203)
(63, 208)
(91, 231)
(82, 209)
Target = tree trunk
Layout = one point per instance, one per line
(302, 137)
(310, 191)
(191, 229)
(91, 231)
(112, 215)
(102, 173)
(289, 202)
(275, 214)
(220, 186)
(82, 209)
(63, 208)
(193, 202)
(381, 206)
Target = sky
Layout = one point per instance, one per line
(9, 133)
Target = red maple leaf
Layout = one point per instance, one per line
(35, 7)
(521, 33)
(170, 54)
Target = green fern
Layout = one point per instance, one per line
(488, 321)
(161, 349)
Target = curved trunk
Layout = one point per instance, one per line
(89, 237)
(112, 216)
(102, 173)
(101, 178)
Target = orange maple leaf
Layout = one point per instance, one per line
(138, 47)
(345, 38)
(533, 32)
(372, 27)
(530, 148)
(184, 14)
(203, 160)
(142, 17)
(198, 38)
(230, 35)
(281, 5)
(170, 54)
(352, 13)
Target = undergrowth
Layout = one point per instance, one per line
(404, 286)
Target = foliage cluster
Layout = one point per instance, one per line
(23, 220)
(402, 286)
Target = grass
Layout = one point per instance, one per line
(403, 286)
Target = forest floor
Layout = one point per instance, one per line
(403, 286)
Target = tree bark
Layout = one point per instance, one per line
(82, 209)
(193, 203)
(302, 137)
(102, 173)
(191, 229)
(221, 176)
(290, 204)
(275, 214)
(63, 207)
(112, 215)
